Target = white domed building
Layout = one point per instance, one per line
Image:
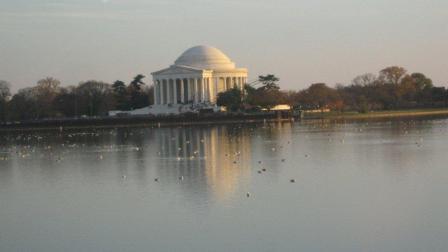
(196, 78)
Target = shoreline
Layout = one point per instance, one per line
(143, 121)
(214, 119)
(379, 114)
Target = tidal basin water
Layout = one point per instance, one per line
(365, 186)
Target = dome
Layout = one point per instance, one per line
(205, 57)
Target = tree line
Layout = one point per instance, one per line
(392, 88)
(48, 99)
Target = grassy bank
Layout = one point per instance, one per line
(378, 114)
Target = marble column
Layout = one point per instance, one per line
(204, 94)
(206, 89)
(175, 93)
(155, 92)
(162, 90)
(173, 98)
(170, 89)
(167, 87)
(182, 91)
(210, 89)
(198, 90)
(195, 94)
(159, 84)
(215, 87)
(190, 90)
(200, 86)
(165, 90)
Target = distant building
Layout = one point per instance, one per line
(196, 77)
(192, 83)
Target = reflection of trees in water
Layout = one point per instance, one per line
(92, 151)
(6, 167)
(135, 157)
(210, 159)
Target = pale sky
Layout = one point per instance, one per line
(300, 41)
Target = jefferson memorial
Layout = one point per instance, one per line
(196, 78)
(192, 83)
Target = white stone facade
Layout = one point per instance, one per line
(196, 77)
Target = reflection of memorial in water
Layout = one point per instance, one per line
(204, 160)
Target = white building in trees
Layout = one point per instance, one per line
(196, 77)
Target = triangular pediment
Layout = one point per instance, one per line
(177, 70)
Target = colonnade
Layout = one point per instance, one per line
(230, 82)
(193, 90)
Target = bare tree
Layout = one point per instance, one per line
(364, 80)
(5, 94)
(392, 75)
(95, 97)
(46, 91)
(47, 87)
(5, 91)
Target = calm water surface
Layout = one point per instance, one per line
(377, 186)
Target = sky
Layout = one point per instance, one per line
(300, 41)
